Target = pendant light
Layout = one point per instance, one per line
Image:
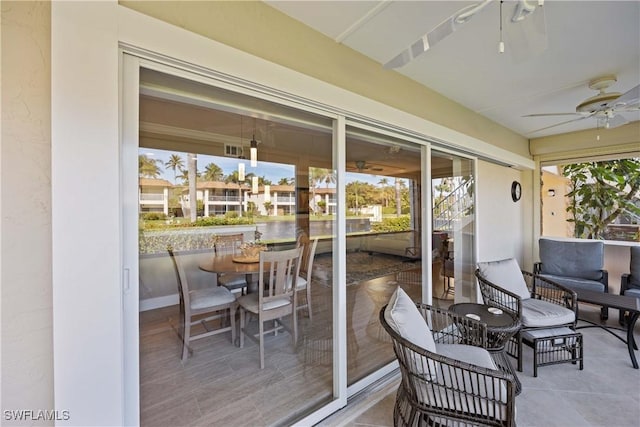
(501, 44)
(254, 152)
(267, 193)
(254, 185)
(241, 176)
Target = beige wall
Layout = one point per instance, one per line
(554, 208)
(25, 205)
(263, 31)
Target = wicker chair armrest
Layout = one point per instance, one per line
(551, 291)
(537, 267)
(625, 283)
(605, 281)
(495, 296)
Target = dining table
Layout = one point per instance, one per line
(233, 264)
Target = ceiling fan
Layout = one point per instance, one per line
(521, 40)
(362, 166)
(605, 107)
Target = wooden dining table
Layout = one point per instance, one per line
(225, 264)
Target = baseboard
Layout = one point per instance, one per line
(159, 302)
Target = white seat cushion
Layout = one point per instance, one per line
(442, 395)
(505, 273)
(210, 297)
(404, 317)
(251, 302)
(232, 280)
(539, 313)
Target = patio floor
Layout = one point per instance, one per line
(605, 393)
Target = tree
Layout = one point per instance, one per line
(147, 167)
(174, 163)
(267, 207)
(192, 170)
(213, 172)
(600, 193)
(286, 181)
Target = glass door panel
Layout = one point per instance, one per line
(200, 185)
(453, 202)
(383, 250)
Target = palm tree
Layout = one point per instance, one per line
(192, 171)
(286, 181)
(174, 163)
(183, 176)
(213, 172)
(384, 182)
(147, 167)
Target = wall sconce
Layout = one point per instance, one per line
(254, 185)
(551, 192)
(241, 171)
(267, 193)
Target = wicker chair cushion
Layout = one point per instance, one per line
(633, 292)
(404, 317)
(210, 297)
(583, 259)
(441, 392)
(467, 353)
(251, 302)
(576, 283)
(539, 313)
(505, 273)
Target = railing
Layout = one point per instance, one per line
(453, 208)
(151, 197)
(285, 199)
(224, 198)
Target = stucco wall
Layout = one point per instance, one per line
(25, 206)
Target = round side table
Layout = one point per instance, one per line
(501, 326)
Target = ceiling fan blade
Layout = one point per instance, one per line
(430, 39)
(552, 114)
(627, 99)
(617, 120)
(560, 124)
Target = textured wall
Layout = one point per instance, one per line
(25, 206)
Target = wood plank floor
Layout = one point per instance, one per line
(221, 384)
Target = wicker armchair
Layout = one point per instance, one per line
(539, 303)
(457, 383)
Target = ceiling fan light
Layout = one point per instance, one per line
(523, 9)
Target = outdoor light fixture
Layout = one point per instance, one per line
(551, 192)
(240, 171)
(254, 152)
(254, 185)
(267, 193)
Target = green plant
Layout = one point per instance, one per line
(600, 193)
(401, 223)
(153, 216)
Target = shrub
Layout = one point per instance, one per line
(231, 214)
(392, 224)
(153, 216)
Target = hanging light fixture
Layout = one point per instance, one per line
(501, 44)
(267, 193)
(254, 185)
(241, 176)
(254, 152)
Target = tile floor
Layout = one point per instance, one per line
(605, 393)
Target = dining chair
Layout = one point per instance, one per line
(229, 244)
(276, 296)
(306, 269)
(206, 304)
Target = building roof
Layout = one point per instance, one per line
(153, 182)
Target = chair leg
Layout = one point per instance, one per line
(519, 352)
(294, 319)
(242, 326)
(309, 301)
(261, 337)
(604, 313)
(185, 339)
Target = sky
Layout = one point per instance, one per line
(271, 171)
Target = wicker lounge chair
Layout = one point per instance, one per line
(447, 378)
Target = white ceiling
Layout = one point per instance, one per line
(585, 39)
